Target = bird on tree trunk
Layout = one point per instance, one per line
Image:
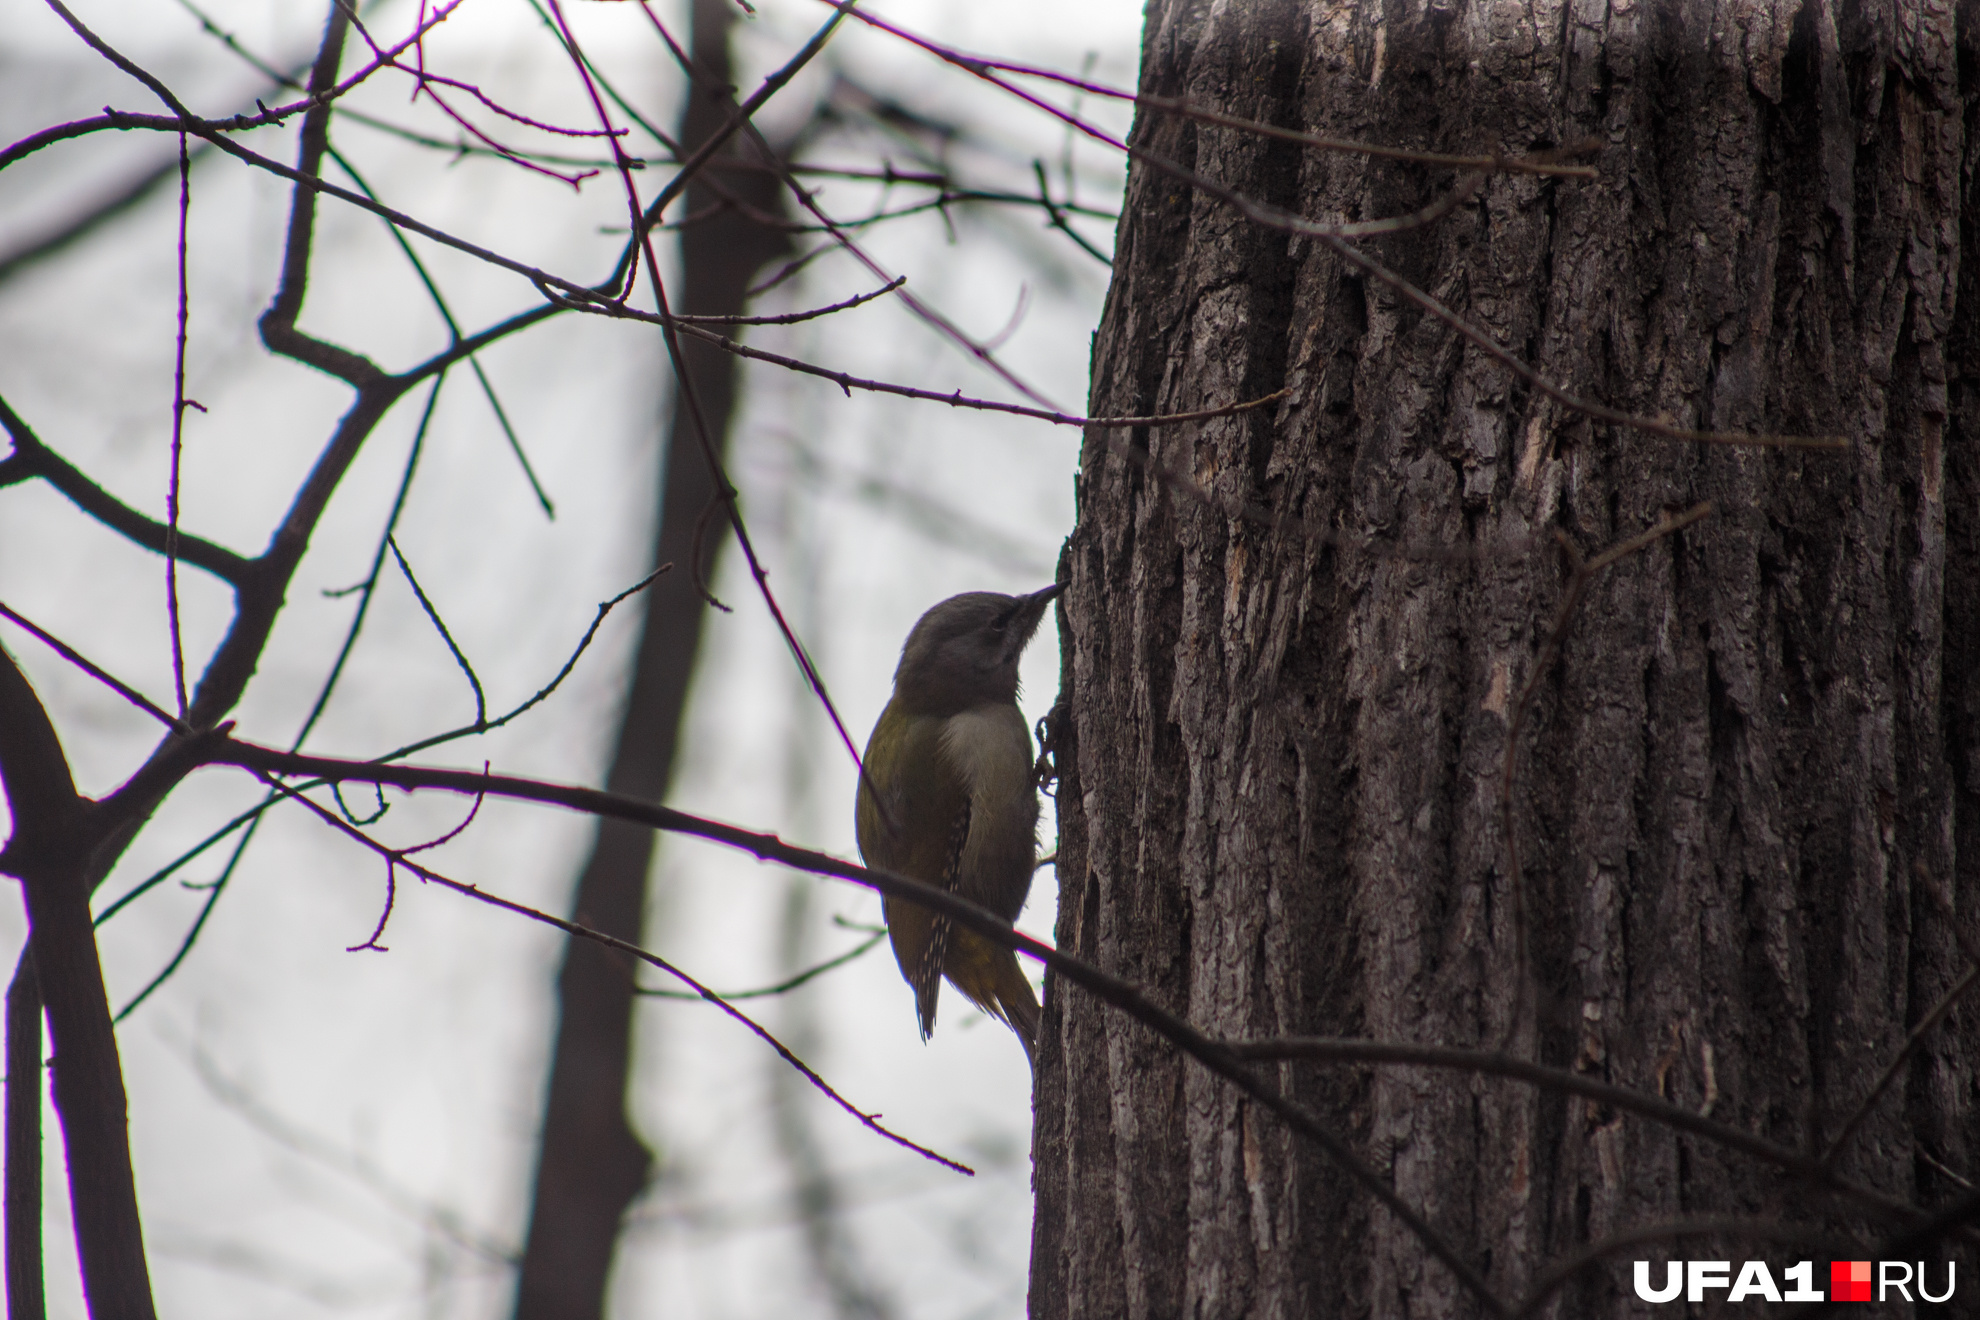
(947, 798)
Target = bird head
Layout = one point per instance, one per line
(963, 653)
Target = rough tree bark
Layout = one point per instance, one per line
(590, 1164)
(1754, 761)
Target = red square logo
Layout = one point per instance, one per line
(1849, 1280)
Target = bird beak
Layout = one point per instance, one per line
(1030, 610)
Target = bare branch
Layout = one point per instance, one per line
(1656, 1108)
(322, 89)
(570, 663)
(955, 399)
(49, 852)
(928, 314)
(725, 490)
(251, 818)
(440, 626)
(720, 138)
(34, 774)
(1546, 163)
(1336, 235)
(31, 458)
(480, 895)
(785, 986)
(1058, 212)
(102, 211)
(278, 323)
(792, 318)
(1947, 1002)
(95, 671)
(179, 405)
(454, 328)
(26, 1298)
(171, 868)
(260, 599)
(1110, 989)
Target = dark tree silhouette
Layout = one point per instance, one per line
(590, 1163)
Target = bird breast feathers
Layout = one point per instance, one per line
(990, 751)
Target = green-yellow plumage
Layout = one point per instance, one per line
(948, 799)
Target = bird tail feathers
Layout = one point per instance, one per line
(1014, 1002)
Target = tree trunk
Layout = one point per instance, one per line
(590, 1164)
(1744, 774)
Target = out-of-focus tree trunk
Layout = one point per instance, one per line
(817, 1196)
(1757, 755)
(590, 1164)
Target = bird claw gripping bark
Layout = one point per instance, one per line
(1046, 772)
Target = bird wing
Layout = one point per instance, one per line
(913, 819)
(989, 749)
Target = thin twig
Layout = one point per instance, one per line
(319, 97)
(371, 943)
(847, 382)
(396, 857)
(1546, 163)
(185, 858)
(454, 328)
(792, 318)
(440, 625)
(94, 670)
(1347, 1051)
(782, 987)
(1934, 1162)
(720, 138)
(871, 1121)
(179, 405)
(725, 489)
(1110, 989)
(927, 313)
(31, 458)
(368, 588)
(542, 693)
(1336, 236)
(1924, 1028)
(1057, 215)
(252, 817)
(124, 802)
